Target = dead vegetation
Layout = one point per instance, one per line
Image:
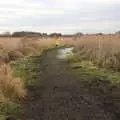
(103, 50)
(12, 49)
(10, 87)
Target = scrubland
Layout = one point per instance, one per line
(13, 48)
(103, 50)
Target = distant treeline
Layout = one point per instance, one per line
(22, 33)
(27, 33)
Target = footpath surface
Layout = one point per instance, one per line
(61, 95)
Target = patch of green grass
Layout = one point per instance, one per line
(23, 68)
(89, 71)
(2, 117)
(73, 59)
(10, 108)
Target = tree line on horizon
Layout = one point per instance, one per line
(55, 34)
(27, 33)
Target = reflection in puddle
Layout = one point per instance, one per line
(65, 52)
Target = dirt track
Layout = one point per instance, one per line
(60, 95)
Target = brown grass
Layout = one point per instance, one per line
(104, 50)
(10, 42)
(10, 87)
(101, 49)
(12, 49)
(14, 55)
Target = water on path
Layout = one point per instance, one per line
(65, 52)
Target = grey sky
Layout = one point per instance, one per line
(66, 16)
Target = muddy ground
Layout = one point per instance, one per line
(61, 95)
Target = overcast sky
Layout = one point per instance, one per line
(66, 16)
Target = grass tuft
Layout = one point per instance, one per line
(10, 87)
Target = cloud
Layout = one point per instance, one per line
(109, 1)
(59, 15)
(20, 7)
(89, 27)
(21, 11)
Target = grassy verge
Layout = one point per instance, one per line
(102, 83)
(21, 68)
(88, 70)
(16, 66)
(24, 68)
(11, 92)
(10, 109)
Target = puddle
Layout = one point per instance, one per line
(65, 52)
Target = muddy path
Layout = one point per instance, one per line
(61, 95)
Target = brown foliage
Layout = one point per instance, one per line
(10, 87)
(103, 50)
